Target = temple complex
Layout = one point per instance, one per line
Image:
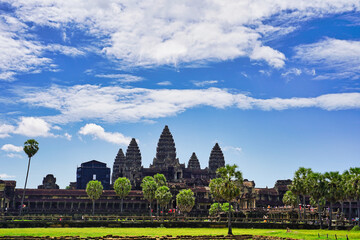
(49, 199)
(166, 162)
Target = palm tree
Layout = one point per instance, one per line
(122, 187)
(344, 190)
(333, 193)
(299, 185)
(160, 180)
(290, 199)
(30, 148)
(354, 187)
(231, 182)
(94, 190)
(317, 189)
(215, 185)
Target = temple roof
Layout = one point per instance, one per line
(216, 159)
(166, 146)
(120, 157)
(194, 162)
(93, 164)
(133, 155)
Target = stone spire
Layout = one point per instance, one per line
(194, 162)
(133, 155)
(166, 146)
(118, 163)
(216, 159)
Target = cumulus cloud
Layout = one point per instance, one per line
(115, 103)
(164, 83)
(28, 126)
(11, 148)
(5, 176)
(97, 131)
(156, 32)
(14, 155)
(341, 57)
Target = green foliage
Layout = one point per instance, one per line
(215, 185)
(94, 189)
(353, 184)
(185, 200)
(163, 195)
(215, 209)
(333, 193)
(290, 199)
(160, 179)
(122, 187)
(300, 184)
(149, 187)
(355, 228)
(31, 147)
(231, 181)
(225, 207)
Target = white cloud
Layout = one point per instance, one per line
(33, 127)
(123, 78)
(98, 132)
(232, 148)
(14, 155)
(68, 136)
(157, 32)
(5, 176)
(114, 103)
(292, 71)
(341, 57)
(204, 83)
(164, 83)
(11, 148)
(5, 129)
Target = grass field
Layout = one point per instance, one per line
(96, 232)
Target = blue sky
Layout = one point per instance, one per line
(275, 83)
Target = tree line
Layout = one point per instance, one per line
(331, 187)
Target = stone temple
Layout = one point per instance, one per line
(166, 162)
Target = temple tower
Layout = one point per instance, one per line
(133, 155)
(166, 146)
(194, 162)
(216, 159)
(118, 166)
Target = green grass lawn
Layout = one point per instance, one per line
(96, 232)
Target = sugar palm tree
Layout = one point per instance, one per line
(333, 193)
(318, 188)
(94, 190)
(354, 187)
(300, 185)
(149, 187)
(30, 148)
(230, 187)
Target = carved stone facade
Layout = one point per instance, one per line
(49, 182)
(166, 163)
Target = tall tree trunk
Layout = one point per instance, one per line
(342, 210)
(121, 205)
(23, 196)
(350, 210)
(304, 216)
(229, 220)
(330, 216)
(320, 217)
(150, 206)
(299, 208)
(93, 212)
(358, 211)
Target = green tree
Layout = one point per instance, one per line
(30, 148)
(149, 187)
(290, 199)
(230, 187)
(333, 193)
(318, 188)
(354, 187)
(215, 209)
(215, 185)
(94, 190)
(122, 187)
(300, 185)
(185, 200)
(160, 180)
(163, 196)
